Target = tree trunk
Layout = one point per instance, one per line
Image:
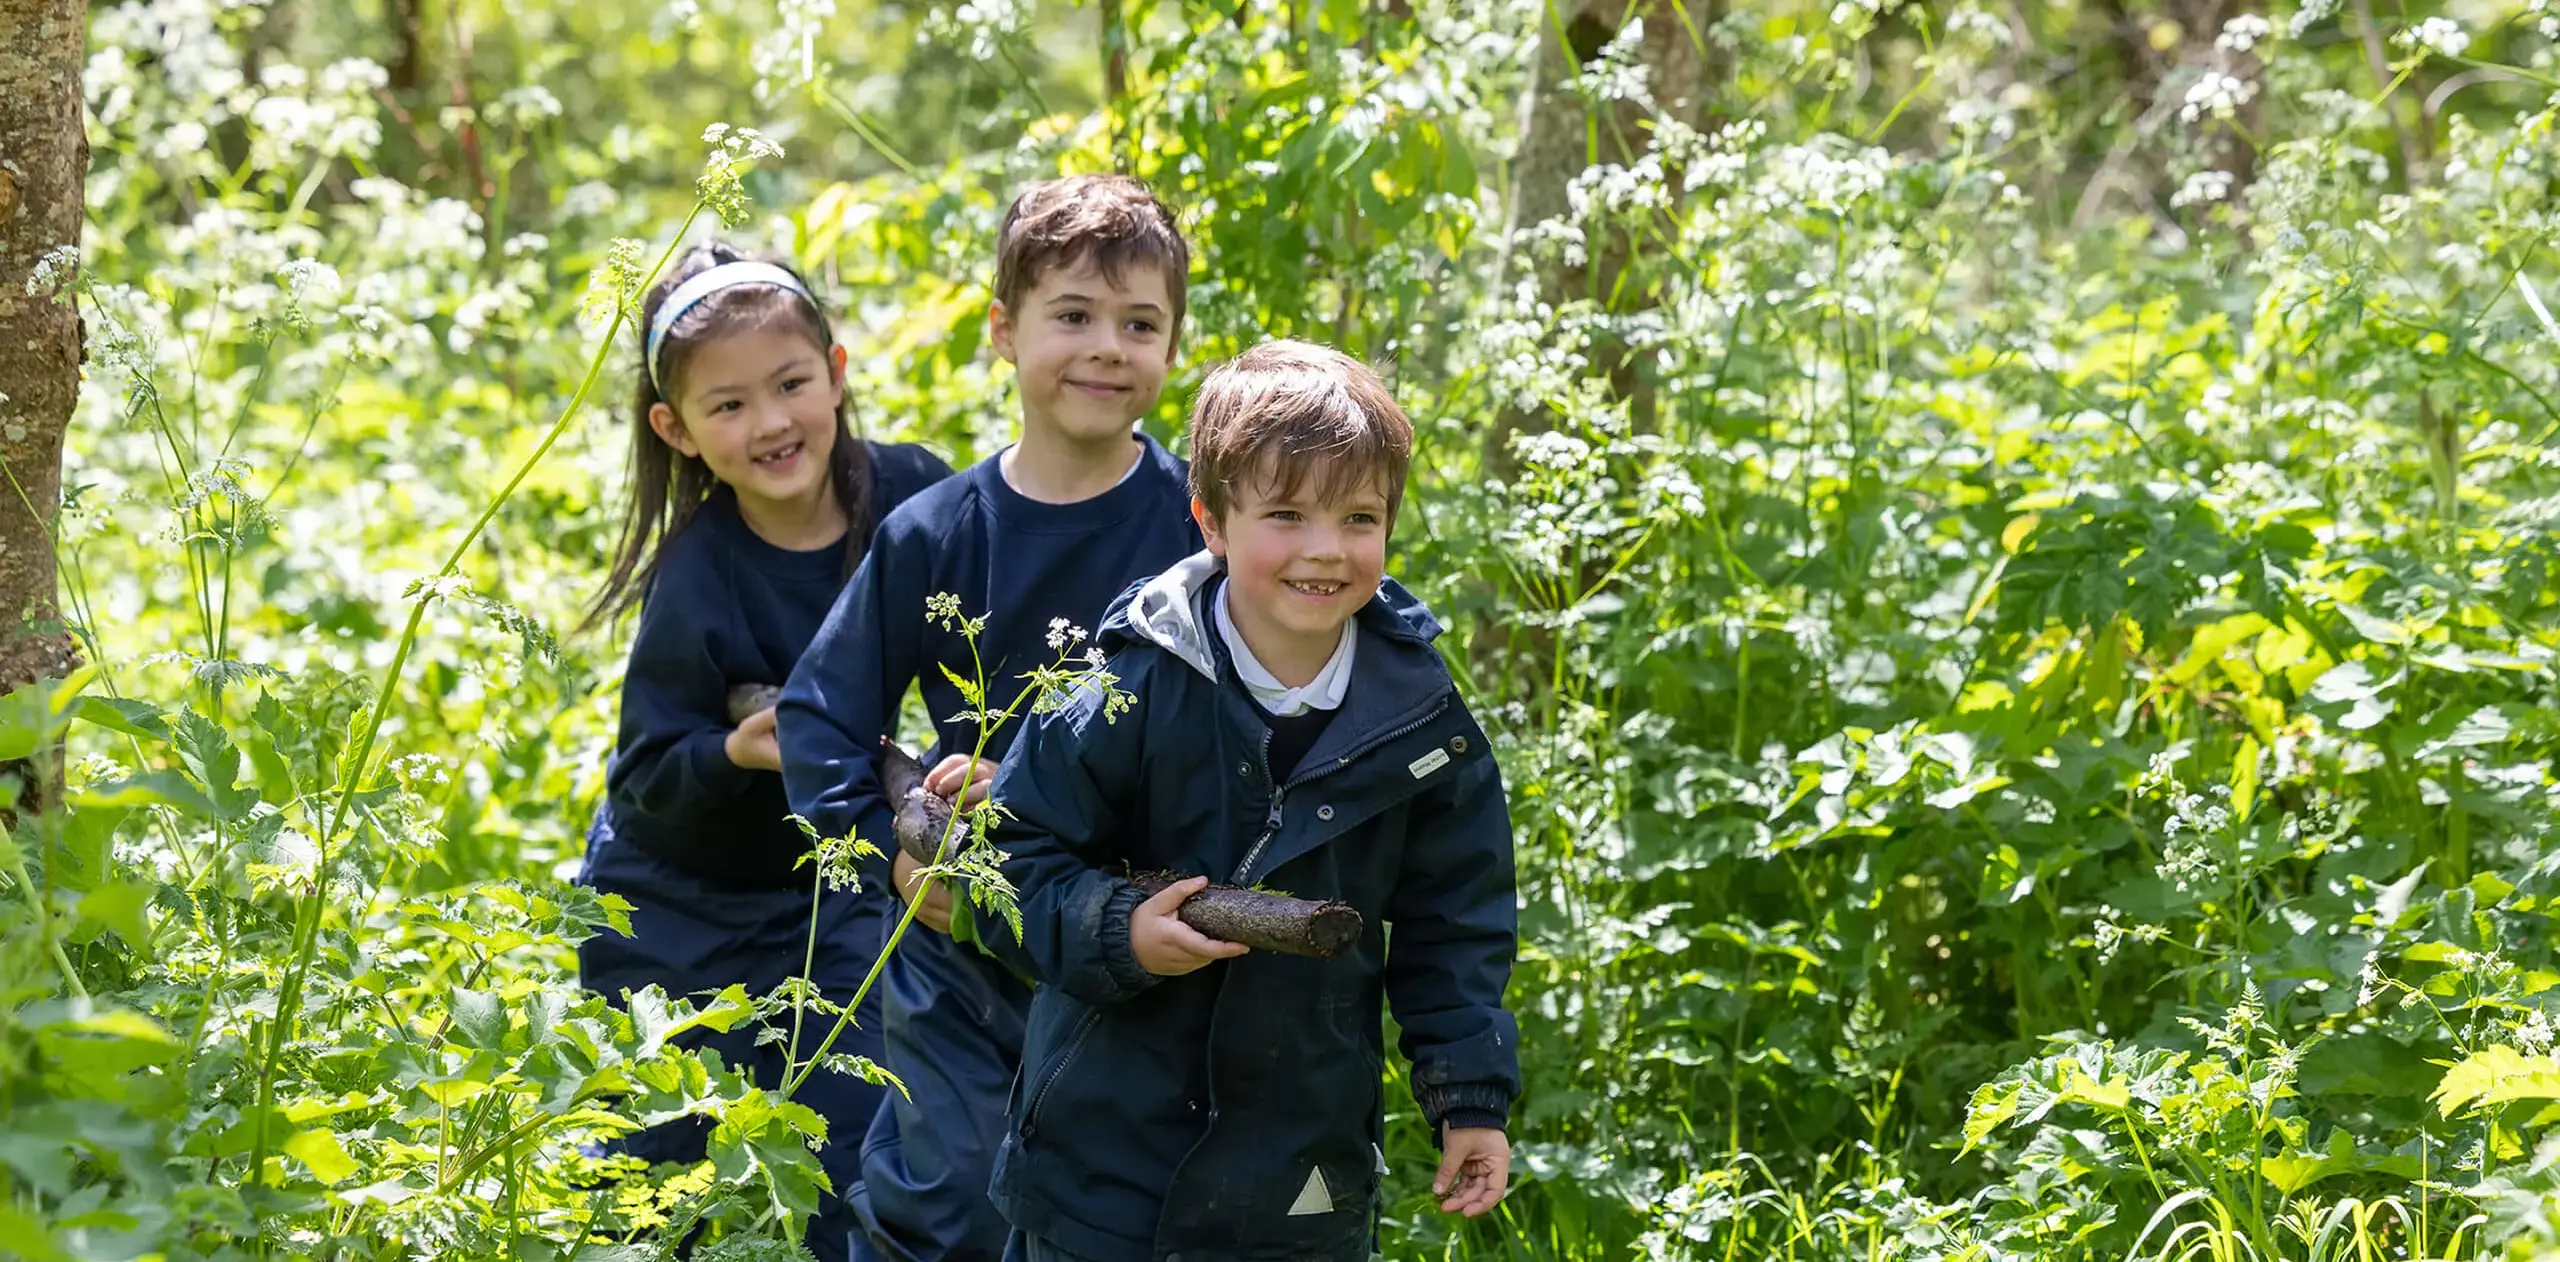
(1561, 134)
(44, 155)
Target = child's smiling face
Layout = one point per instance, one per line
(1091, 355)
(759, 407)
(1300, 564)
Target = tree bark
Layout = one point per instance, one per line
(1260, 920)
(922, 817)
(1562, 133)
(44, 156)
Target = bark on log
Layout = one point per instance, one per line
(746, 699)
(1262, 921)
(922, 818)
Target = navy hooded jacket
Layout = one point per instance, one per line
(1234, 1112)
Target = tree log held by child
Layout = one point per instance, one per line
(1261, 920)
(923, 817)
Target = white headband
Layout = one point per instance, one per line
(702, 285)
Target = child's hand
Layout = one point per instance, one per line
(957, 773)
(1167, 947)
(935, 911)
(1475, 1169)
(752, 744)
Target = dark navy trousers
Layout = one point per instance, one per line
(954, 1023)
(687, 937)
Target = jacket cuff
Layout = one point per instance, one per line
(706, 757)
(1470, 1119)
(1119, 959)
(1465, 1104)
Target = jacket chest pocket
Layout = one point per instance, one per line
(1352, 794)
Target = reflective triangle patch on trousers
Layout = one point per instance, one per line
(1314, 1198)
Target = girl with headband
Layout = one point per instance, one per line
(751, 503)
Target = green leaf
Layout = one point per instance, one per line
(479, 1019)
(320, 1150)
(969, 690)
(653, 1020)
(124, 714)
(2497, 1075)
(151, 788)
(1993, 1104)
(117, 906)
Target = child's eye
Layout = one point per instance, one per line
(1364, 519)
(1142, 326)
(725, 405)
(1282, 514)
(793, 385)
(1071, 317)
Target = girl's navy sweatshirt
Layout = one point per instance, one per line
(1017, 562)
(726, 608)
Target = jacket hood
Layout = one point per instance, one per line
(1167, 611)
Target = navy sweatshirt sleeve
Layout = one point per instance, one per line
(672, 775)
(1061, 785)
(846, 689)
(1455, 922)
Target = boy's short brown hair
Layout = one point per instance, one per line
(1284, 412)
(1113, 221)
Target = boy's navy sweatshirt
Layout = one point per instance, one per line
(1013, 560)
(726, 608)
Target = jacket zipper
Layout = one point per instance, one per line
(1084, 1030)
(1271, 823)
(1271, 818)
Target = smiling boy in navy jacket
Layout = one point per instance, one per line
(1288, 725)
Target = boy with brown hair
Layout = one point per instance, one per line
(1287, 724)
(1088, 308)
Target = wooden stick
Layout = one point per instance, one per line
(746, 699)
(1263, 921)
(922, 817)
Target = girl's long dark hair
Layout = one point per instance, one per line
(667, 486)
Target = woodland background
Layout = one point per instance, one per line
(2009, 549)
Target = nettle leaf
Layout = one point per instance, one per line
(210, 756)
(126, 715)
(151, 788)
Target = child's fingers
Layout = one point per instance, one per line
(1480, 1185)
(1171, 897)
(947, 775)
(1452, 1160)
(1473, 1199)
(1200, 945)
